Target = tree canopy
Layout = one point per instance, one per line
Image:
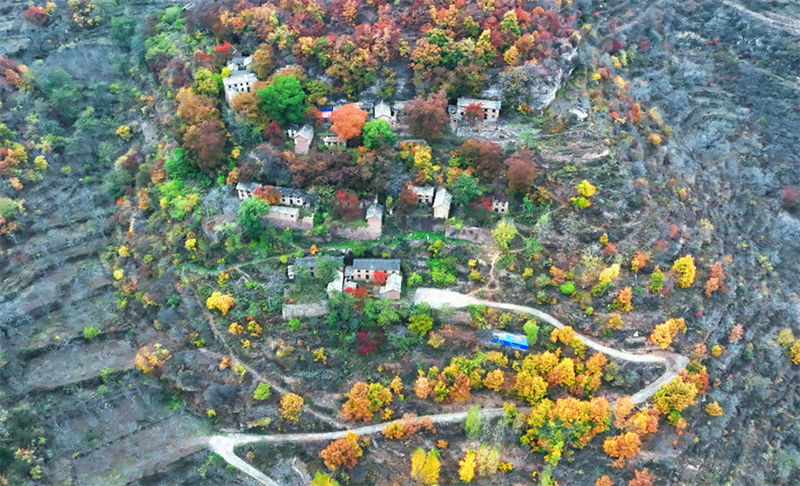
(284, 99)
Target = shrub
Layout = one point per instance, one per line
(291, 405)
(531, 331)
(684, 267)
(656, 280)
(262, 391)
(90, 332)
(472, 425)
(342, 452)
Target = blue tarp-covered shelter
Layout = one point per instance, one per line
(516, 341)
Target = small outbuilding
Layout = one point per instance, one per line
(441, 203)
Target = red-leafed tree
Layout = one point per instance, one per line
(428, 117)
(223, 51)
(481, 155)
(365, 343)
(273, 129)
(347, 120)
(358, 292)
(203, 59)
(407, 199)
(473, 113)
(206, 142)
(345, 205)
(379, 277)
(36, 15)
(522, 171)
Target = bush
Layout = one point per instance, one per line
(531, 331)
(178, 165)
(472, 426)
(90, 332)
(262, 391)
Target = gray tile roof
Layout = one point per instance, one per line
(312, 261)
(376, 264)
(486, 104)
(443, 198)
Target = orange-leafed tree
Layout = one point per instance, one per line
(268, 193)
(36, 15)
(150, 357)
(347, 120)
(638, 261)
(603, 480)
(641, 478)
(622, 411)
(342, 452)
(623, 301)
(364, 400)
(494, 380)
(622, 447)
(716, 279)
(736, 333)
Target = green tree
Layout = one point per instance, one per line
(178, 166)
(262, 391)
(510, 24)
(420, 323)
(250, 213)
(472, 426)
(378, 133)
(531, 331)
(207, 83)
(284, 100)
(90, 332)
(465, 189)
(503, 233)
(323, 479)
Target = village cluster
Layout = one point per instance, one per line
(294, 208)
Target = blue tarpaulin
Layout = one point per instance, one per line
(516, 341)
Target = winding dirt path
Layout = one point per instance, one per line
(225, 445)
(673, 363)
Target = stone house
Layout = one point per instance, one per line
(424, 194)
(374, 217)
(363, 269)
(491, 108)
(331, 140)
(240, 63)
(311, 263)
(302, 139)
(238, 82)
(386, 112)
(289, 195)
(441, 203)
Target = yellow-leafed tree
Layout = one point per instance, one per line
(466, 470)
(425, 467)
